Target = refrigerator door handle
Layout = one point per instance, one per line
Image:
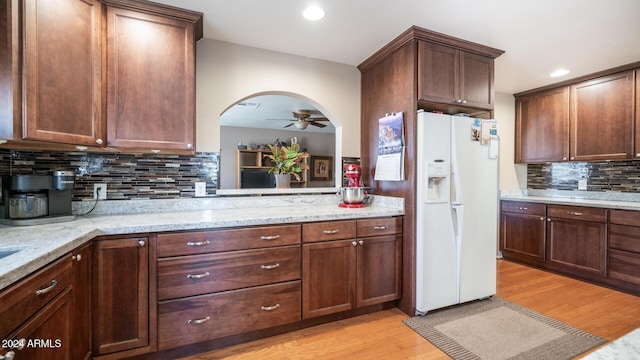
(458, 216)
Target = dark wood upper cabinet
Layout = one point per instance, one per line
(542, 126)
(451, 76)
(62, 71)
(151, 81)
(637, 124)
(602, 114)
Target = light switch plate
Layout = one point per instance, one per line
(201, 188)
(582, 184)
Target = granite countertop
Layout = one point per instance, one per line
(604, 200)
(42, 244)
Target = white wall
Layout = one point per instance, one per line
(228, 73)
(317, 144)
(512, 176)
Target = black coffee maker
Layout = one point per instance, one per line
(36, 199)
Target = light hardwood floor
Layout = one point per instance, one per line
(598, 310)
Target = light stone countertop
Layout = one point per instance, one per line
(624, 348)
(43, 244)
(572, 198)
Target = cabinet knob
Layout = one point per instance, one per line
(99, 141)
(464, 101)
(360, 242)
(541, 218)
(638, 155)
(189, 146)
(549, 219)
(354, 243)
(8, 356)
(573, 158)
(76, 257)
(564, 159)
(459, 101)
(141, 243)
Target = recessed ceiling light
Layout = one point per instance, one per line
(559, 72)
(313, 13)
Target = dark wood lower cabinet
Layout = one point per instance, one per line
(577, 246)
(379, 269)
(52, 325)
(522, 237)
(81, 315)
(120, 295)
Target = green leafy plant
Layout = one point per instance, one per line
(287, 160)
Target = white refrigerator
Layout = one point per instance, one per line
(456, 212)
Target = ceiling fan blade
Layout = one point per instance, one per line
(286, 126)
(317, 124)
(318, 119)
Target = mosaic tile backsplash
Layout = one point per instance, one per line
(128, 176)
(609, 176)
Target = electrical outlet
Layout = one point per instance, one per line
(201, 188)
(582, 184)
(100, 191)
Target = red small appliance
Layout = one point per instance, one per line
(354, 195)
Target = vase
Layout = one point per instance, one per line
(283, 180)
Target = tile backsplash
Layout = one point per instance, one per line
(128, 176)
(606, 176)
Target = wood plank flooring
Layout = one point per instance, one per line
(601, 311)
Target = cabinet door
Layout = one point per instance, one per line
(438, 74)
(120, 295)
(522, 237)
(329, 277)
(51, 326)
(637, 138)
(62, 71)
(151, 81)
(379, 269)
(578, 247)
(602, 118)
(81, 321)
(542, 126)
(476, 81)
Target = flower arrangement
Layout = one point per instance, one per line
(288, 160)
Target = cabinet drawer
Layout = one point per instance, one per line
(202, 274)
(329, 230)
(200, 242)
(577, 213)
(624, 217)
(379, 226)
(523, 207)
(624, 266)
(25, 298)
(625, 238)
(201, 318)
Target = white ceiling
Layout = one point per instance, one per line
(538, 36)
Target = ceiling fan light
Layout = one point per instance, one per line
(313, 13)
(301, 125)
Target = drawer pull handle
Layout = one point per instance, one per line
(329, 232)
(270, 267)
(198, 243)
(574, 213)
(270, 237)
(52, 286)
(383, 227)
(198, 276)
(199, 321)
(270, 308)
(522, 208)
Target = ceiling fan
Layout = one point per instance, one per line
(303, 119)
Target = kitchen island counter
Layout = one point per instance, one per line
(42, 244)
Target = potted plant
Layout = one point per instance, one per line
(287, 160)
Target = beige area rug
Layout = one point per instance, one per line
(497, 329)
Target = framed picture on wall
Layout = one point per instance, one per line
(321, 168)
